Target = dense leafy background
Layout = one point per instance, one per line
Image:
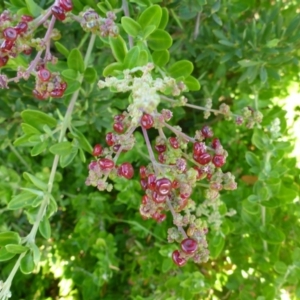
(245, 54)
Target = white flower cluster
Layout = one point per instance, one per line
(144, 89)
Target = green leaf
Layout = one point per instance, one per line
(251, 207)
(62, 49)
(27, 264)
(280, 267)
(113, 69)
(83, 142)
(70, 74)
(73, 86)
(159, 40)
(248, 63)
(90, 75)
(272, 235)
(118, 47)
(28, 129)
(161, 58)
(252, 159)
(263, 74)
(24, 199)
(65, 160)
(37, 182)
(150, 16)
(16, 249)
(38, 119)
(164, 18)
(75, 61)
(36, 254)
(130, 26)
(39, 148)
(216, 7)
(9, 237)
(192, 83)
(259, 140)
(216, 246)
(34, 9)
(63, 148)
(143, 58)
(5, 255)
(132, 57)
(182, 68)
(142, 2)
(147, 31)
(45, 228)
(273, 43)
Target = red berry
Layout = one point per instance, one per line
(119, 118)
(106, 164)
(159, 217)
(44, 75)
(201, 174)
(162, 158)
(157, 198)
(57, 93)
(3, 60)
(145, 200)
(58, 12)
(179, 261)
(215, 143)
(126, 170)
(151, 182)
(63, 85)
(116, 148)
(66, 5)
(199, 148)
(218, 160)
(27, 51)
(110, 139)
(182, 204)
(189, 246)
(6, 46)
(174, 142)
(207, 131)
(175, 184)
(97, 150)
(38, 95)
(143, 171)
(118, 127)
(144, 183)
(26, 18)
(147, 121)
(163, 186)
(10, 34)
(160, 148)
(21, 27)
(204, 159)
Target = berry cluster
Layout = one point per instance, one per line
(11, 37)
(48, 84)
(59, 11)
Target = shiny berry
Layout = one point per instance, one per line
(175, 184)
(6, 45)
(204, 159)
(218, 160)
(147, 121)
(144, 183)
(189, 246)
(38, 95)
(151, 182)
(161, 158)
(159, 217)
(97, 150)
(110, 139)
(157, 198)
(27, 51)
(126, 170)
(145, 200)
(21, 27)
(163, 186)
(118, 127)
(215, 143)
(44, 75)
(63, 86)
(66, 5)
(57, 93)
(179, 261)
(207, 131)
(143, 171)
(26, 18)
(199, 148)
(200, 173)
(10, 34)
(58, 12)
(116, 148)
(174, 142)
(160, 148)
(3, 60)
(106, 164)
